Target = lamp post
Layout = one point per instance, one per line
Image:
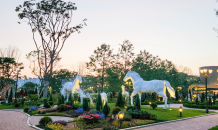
(121, 115)
(206, 73)
(180, 110)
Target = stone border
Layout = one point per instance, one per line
(152, 124)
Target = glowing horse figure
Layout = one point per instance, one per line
(140, 86)
(81, 94)
(126, 94)
(104, 97)
(70, 87)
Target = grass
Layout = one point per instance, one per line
(12, 106)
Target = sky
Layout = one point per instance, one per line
(178, 30)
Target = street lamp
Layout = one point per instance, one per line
(180, 110)
(121, 115)
(206, 73)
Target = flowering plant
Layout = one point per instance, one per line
(60, 122)
(33, 108)
(55, 126)
(43, 111)
(68, 107)
(92, 118)
(79, 110)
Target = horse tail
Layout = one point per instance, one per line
(169, 88)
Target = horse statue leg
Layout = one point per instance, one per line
(140, 96)
(81, 100)
(133, 94)
(164, 97)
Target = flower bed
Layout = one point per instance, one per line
(142, 115)
(48, 110)
(92, 118)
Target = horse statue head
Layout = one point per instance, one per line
(79, 77)
(133, 76)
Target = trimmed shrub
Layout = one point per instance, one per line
(51, 98)
(46, 105)
(127, 117)
(119, 100)
(99, 103)
(85, 105)
(51, 103)
(45, 120)
(130, 108)
(116, 110)
(106, 110)
(137, 103)
(153, 105)
(16, 104)
(62, 108)
(196, 101)
(26, 109)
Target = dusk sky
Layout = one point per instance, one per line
(178, 30)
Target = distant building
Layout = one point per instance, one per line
(212, 83)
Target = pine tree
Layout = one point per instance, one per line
(10, 96)
(85, 104)
(62, 99)
(98, 103)
(79, 99)
(36, 92)
(214, 98)
(59, 101)
(202, 97)
(210, 103)
(177, 95)
(106, 110)
(137, 103)
(119, 100)
(190, 94)
(46, 105)
(6, 96)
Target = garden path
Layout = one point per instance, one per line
(34, 120)
(13, 120)
(199, 123)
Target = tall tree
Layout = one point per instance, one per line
(51, 19)
(100, 61)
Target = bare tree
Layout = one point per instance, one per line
(81, 68)
(51, 19)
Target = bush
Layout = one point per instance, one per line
(85, 105)
(142, 115)
(116, 110)
(51, 103)
(119, 100)
(16, 104)
(125, 124)
(127, 117)
(33, 97)
(46, 105)
(26, 109)
(45, 120)
(22, 101)
(62, 122)
(137, 103)
(55, 126)
(92, 118)
(153, 105)
(214, 128)
(130, 108)
(38, 104)
(106, 109)
(62, 108)
(99, 103)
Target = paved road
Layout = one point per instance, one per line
(13, 120)
(199, 123)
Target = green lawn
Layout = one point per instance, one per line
(12, 106)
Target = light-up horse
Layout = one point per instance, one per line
(70, 87)
(140, 86)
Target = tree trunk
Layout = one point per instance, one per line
(45, 90)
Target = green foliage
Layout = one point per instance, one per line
(196, 101)
(45, 120)
(106, 109)
(214, 128)
(62, 108)
(88, 91)
(99, 103)
(202, 97)
(10, 96)
(22, 101)
(125, 124)
(137, 103)
(51, 98)
(153, 105)
(51, 103)
(16, 104)
(210, 102)
(85, 104)
(59, 101)
(46, 105)
(177, 95)
(26, 109)
(130, 108)
(120, 102)
(127, 117)
(33, 97)
(116, 110)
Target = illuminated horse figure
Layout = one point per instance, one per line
(125, 93)
(70, 87)
(140, 86)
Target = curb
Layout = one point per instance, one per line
(28, 119)
(153, 124)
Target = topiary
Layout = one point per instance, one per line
(106, 110)
(26, 109)
(99, 103)
(45, 120)
(16, 104)
(62, 108)
(130, 108)
(51, 98)
(119, 100)
(85, 104)
(116, 110)
(51, 103)
(127, 117)
(153, 105)
(46, 105)
(137, 103)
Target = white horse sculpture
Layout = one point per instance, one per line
(125, 93)
(157, 86)
(70, 87)
(81, 94)
(104, 97)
